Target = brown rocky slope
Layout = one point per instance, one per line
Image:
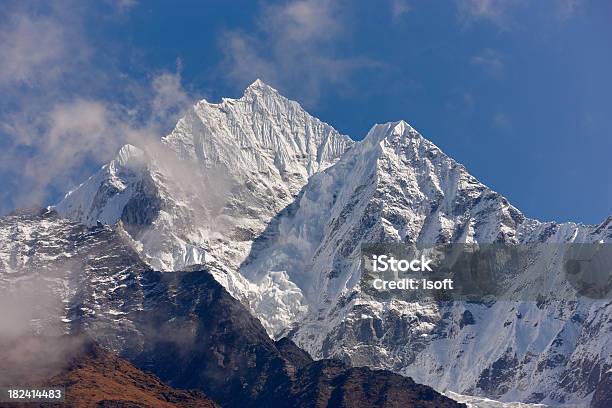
(91, 376)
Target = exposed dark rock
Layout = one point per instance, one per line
(490, 380)
(143, 207)
(197, 336)
(602, 398)
(291, 352)
(329, 383)
(466, 319)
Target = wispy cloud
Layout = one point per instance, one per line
(53, 123)
(296, 46)
(36, 49)
(501, 120)
(495, 11)
(50, 153)
(399, 8)
(502, 13)
(461, 101)
(491, 61)
(566, 9)
(123, 5)
(170, 99)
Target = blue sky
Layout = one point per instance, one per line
(518, 91)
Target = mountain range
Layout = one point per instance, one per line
(274, 205)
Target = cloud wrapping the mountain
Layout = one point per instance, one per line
(61, 111)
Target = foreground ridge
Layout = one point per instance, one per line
(90, 375)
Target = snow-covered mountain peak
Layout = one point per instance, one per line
(388, 130)
(398, 136)
(262, 131)
(258, 86)
(256, 90)
(103, 196)
(129, 156)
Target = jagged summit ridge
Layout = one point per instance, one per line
(397, 130)
(262, 130)
(258, 83)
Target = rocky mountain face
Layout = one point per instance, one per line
(396, 186)
(276, 205)
(328, 383)
(182, 326)
(603, 393)
(90, 375)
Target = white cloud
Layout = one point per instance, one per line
(566, 9)
(303, 20)
(497, 12)
(491, 61)
(296, 46)
(501, 120)
(399, 8)
(169, 97)
(77, 127)
(32, 50)
(502, 13)
(124, 5)
(60, 142)
(484, 9)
